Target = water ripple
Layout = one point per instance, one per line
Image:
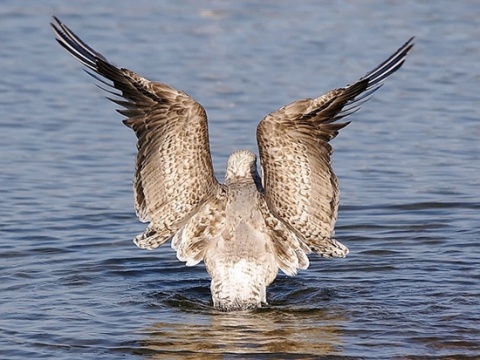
(74, 285)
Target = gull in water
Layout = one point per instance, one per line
(249, 227)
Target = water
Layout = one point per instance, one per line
(73, 284)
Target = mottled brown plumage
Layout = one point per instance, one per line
(244, 230)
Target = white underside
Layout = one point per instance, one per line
(239, 286)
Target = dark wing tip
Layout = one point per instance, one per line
(377, 76)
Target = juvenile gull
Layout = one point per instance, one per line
(249, 227)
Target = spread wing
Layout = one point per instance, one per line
(301, 188)
(174, 173)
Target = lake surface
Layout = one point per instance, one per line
(72, 283)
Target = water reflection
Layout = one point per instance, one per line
(288, 334)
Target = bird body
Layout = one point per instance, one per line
(241, 261)
(248, 228)
(238, 250)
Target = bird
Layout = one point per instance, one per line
(248, 228)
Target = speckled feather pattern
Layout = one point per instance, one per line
(252, 226)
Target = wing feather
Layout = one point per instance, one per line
(174, 173)
(301, 188)
(201, 230)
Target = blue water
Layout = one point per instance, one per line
(72, 283)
